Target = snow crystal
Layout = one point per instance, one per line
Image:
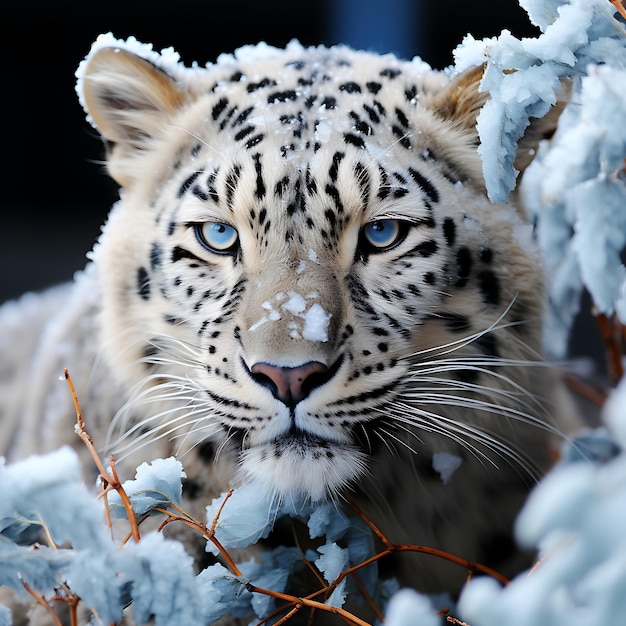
(445, 464)
(315, 318)
(316, 322)
(471, 52)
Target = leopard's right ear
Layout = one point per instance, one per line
(129, 100)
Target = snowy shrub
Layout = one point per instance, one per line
(576, 191)
(575, 186)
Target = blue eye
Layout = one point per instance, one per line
(217, 237)
(382, 234)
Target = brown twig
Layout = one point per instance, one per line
(42, 602)
(72, 600)
(585, 390)
(109, 478)
(619, 6)
(208, 533)
(390, 548)
(612, 333)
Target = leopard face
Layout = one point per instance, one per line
(303, 269)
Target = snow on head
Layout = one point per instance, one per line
(316, 322)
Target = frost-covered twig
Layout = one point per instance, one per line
(110, 479)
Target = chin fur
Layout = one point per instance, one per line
(294, 468)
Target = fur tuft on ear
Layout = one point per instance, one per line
(128, 98)
(460, 102)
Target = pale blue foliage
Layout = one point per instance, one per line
(30, 492)
(523, 76)
(573, 187)
(37, 567)
(219, 590)
(247, 516)
(332, 561)
(5, 616)
(575, 517)
(326, 520)
(155, 577)
(409, 608)
(156, 485)
(163, 583)
(90, 576)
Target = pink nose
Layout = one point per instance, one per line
(290, 385)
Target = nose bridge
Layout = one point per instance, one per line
(292, 315)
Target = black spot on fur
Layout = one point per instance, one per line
(260, 184)
(390, 72)
(463, 266)
(254, 141)
(350, 87)
(374, 117)
(488, 344)
(489, 286)
(449, 231)
(173, 319)
(156, 255)
(402, 136)
(402, 118)
(149, 352)
(333, 172)
(410, 93)
(179, 254)
(188, 183)
(241, 118)
(282, 96)
(244, 132)
(212, 177)
(143, 283)
(426, 248)
(218, 109)
(486, 255)
(232, 181)
(354, 140)
(373, 87)
(425, 185)
(266, 82)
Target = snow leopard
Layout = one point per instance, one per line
(303, 284)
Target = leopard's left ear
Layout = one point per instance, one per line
(460, 101)
(130, 101)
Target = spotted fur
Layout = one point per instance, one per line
(245, 310)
